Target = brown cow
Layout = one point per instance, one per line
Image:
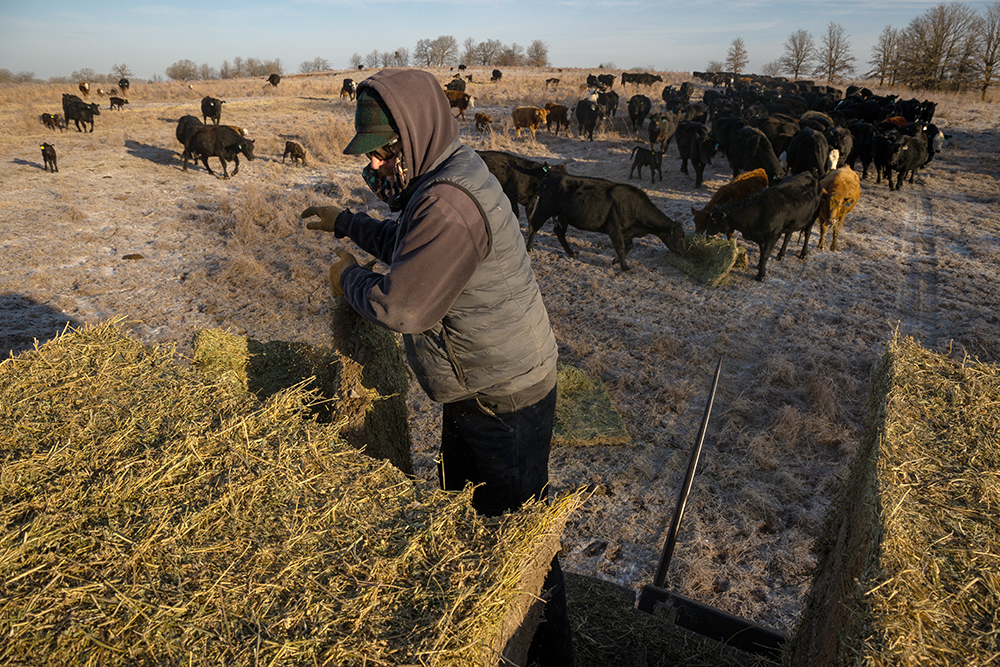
(461, 101)
(841, 191)
(558, 114)
(740, 187)
(483, 122)
(528, 117)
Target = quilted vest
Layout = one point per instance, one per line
(496, 339)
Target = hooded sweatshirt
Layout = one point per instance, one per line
(460, 287)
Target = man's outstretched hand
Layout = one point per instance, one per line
(327, 217)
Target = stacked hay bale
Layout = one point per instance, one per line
(361, 381)
(710, 260)
(910, 560)
(151, 514)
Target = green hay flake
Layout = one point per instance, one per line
(584, 412)
(710, 260)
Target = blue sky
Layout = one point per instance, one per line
(57, 37)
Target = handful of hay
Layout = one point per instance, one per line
(910, 560)
(150, 514)
(710, 260)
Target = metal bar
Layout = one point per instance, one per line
(668, 547)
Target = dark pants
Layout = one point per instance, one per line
(508, 453)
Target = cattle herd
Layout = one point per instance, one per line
(797, 152)
(801, 143)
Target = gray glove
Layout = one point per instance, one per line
(327, 218)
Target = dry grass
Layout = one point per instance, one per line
(153, 515)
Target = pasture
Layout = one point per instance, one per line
(120, 230)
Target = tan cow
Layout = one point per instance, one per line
(841, 191)
(460, 101)
(528, 117)
(740, 187)
(483, 122)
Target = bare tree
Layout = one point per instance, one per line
(206, 73)
(988, 52)
(182, 70)
(714, 66)
(511, 56)
(799, 55)
(772, 68)
(737, 58)
(469, 51)
(489, 52)
(371, 60)
(356, 61)
(936, 46)
(537, 54)
(422, 53)
(885, 57)
(401, 57)
(122, 71)
(318, 64)
(834, 59)
(443, 51)
(87, 74)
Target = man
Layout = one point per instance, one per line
(461, 290)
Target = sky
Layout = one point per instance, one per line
(56, 37)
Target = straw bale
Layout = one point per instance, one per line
(585, 414)
(151, 514)
(909, 570)
(710, 260)
(361, 380)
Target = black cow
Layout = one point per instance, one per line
(123, 84)
(694, 143)
(695, 111)
(49, 156)
(763, 217)
(640, 78)
(638, 108)
(274, 80)
(219, 141)
(808, 151)
(296, 151)
(840, 138)
(609, 103)
(723, 129)
(775, 126)
(588, 113)
(349, 88)
(606, 80)
(457, 84)
(621, 211)
(749, 149)
(117, 103)
(211, 108)
(907, 155)
(662, 128)
(78, 111)
(186, 126)
(882, 143)
(497, 75)
(52, 121)
(862, 135)
(643, 157)
(519, 177)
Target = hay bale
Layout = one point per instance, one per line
(908, 571)
(361, 380)
(710, 260)
(150, 514)
(584, 412)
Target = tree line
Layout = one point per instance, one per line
(445, 51)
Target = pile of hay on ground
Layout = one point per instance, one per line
(709, 260)
(584, 412)
(150, 514)
(910, 560)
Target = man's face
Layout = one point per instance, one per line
(383, 161)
